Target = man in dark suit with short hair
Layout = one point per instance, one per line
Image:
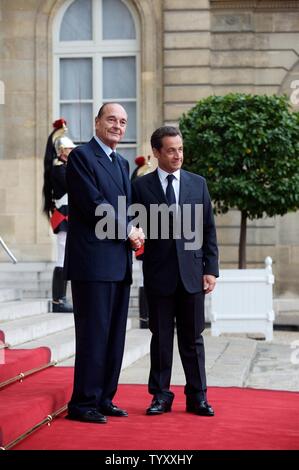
(177, 276)
(100, 269)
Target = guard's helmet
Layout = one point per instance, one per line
(63, 143)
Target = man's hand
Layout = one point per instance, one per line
(209, 282)
(136, 238)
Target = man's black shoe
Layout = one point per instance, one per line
(112, 410)
(158, 406)
(201, 408)
(89, 416)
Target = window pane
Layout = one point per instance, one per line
(119, 77)
(131, 133)
(77, 22)
(130, 155)
(79, 121)
(117, 21)
(75, 79)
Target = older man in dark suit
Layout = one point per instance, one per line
(99, 268)
(177, 276)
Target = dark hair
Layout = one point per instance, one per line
(164, 131)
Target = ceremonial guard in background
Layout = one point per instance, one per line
(143, 166)
(56, 206)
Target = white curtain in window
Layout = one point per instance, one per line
(119, 77)
(130, 155)
(111, 57)
(77, 22)
(75, 79)
(79, 120)
(117, 21)
(130, 135)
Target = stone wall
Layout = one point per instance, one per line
(187, 51)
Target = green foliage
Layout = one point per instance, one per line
(247, 146)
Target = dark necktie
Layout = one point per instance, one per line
(170, 195)
(116, 169)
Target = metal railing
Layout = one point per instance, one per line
(7, 250)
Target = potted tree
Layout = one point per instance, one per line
(247, 146)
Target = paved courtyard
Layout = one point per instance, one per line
(238, 360)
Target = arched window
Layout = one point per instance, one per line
(96, 60)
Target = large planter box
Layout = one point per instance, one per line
(242, 301)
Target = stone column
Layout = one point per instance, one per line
(186, 55)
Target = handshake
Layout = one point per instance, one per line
(136, 238)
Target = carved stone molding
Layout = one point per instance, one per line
(256, 4)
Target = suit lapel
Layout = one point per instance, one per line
(185, 187)
(105, 162)
(154, 185)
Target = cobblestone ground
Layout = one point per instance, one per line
(238, 360)
(276, 365)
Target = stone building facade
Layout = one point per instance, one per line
(185, 50)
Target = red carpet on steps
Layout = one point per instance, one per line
(245, 419)
(22, 360)
(22, 405)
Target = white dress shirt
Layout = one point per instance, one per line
(175, 183)
(107, 150)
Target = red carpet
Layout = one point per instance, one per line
(2, 336)
(22, 360)
(22, 405)
(245, 419)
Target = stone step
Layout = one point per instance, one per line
(287, 319)
(27, 267)
(36, 288)
(35, 279)
(133, 302)
(9, 294)
(61, 343)
(46, 288)
(37, 293)
(137, 345)
(44, 267)
(286, 305)
(18, 276)
(133, 312)
(13, 310)
(134, 291)
(286, 311)
(33, 327)
(231, 365)
(30, 288)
